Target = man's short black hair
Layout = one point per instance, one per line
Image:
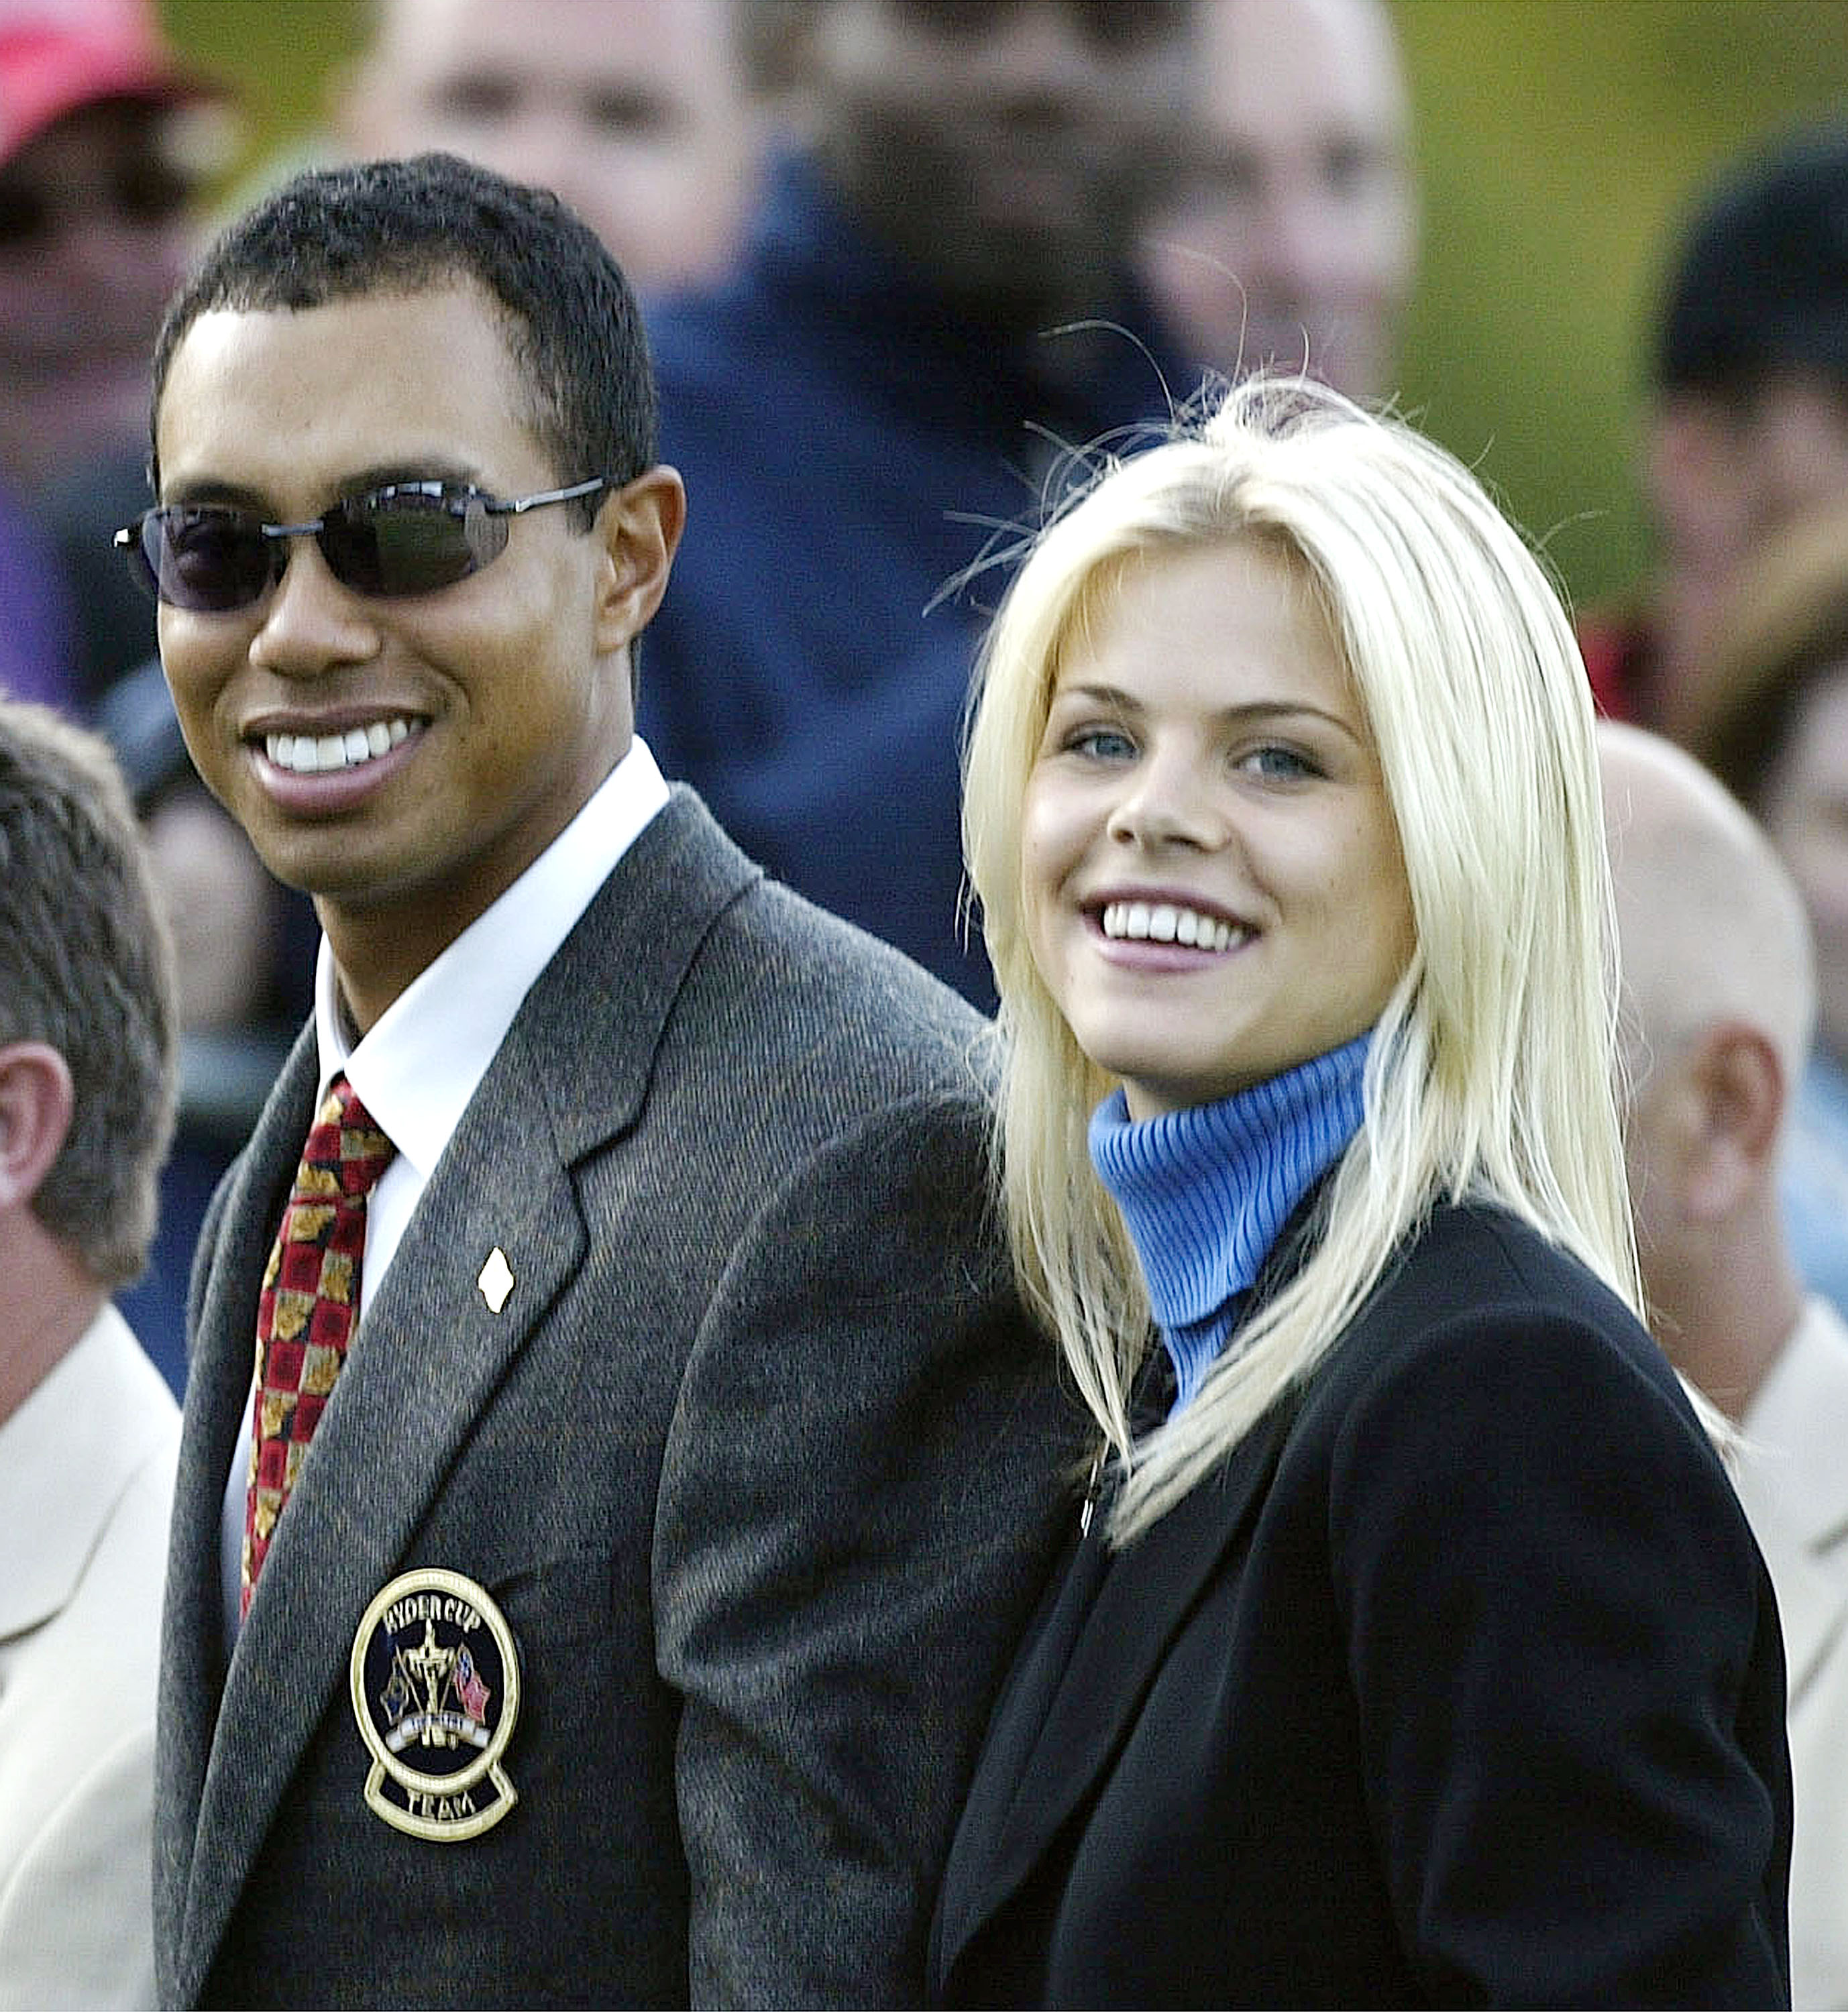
(403, 225)
(1761, 284)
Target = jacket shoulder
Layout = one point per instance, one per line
(1473, 1264)
(1483, 1316)
(825, 986)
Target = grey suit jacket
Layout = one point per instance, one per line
(757, 1459)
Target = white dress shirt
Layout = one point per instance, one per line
(418, 1066)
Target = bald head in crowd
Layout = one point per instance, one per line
(1719, 997)
(638, 112)
(1719, 1002)
(1296, 239)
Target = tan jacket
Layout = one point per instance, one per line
(86, 1489)
(1794, 1484)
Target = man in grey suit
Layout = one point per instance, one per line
(623, 1631)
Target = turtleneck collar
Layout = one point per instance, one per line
(1204, 1191)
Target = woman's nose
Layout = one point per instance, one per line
(1167, 802)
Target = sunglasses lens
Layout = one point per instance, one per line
(149, 191)
(400, 541)
(145, 193)
(24, 213)
(207, 560)
(403, 541)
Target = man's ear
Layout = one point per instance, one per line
(1741, 1091)
(37, 1102)
(640, 525)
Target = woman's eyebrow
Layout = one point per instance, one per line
(1247, 713)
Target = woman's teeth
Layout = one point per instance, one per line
(1162, 922)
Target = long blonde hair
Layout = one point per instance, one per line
(1491, 1072)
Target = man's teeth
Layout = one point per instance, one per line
(312, 755)
(1160, 922)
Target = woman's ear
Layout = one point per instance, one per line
(640, 525)
(37, 1102)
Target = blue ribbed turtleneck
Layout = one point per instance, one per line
(1204, 1191)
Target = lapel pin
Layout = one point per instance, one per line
(496, 1281)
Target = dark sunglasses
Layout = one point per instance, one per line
(145, 194)
(408, 537)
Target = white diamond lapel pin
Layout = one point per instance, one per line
(496, 1281)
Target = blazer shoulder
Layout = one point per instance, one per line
(1479, 1303)
(821, 985)
(690, 946)
(1475, 1261)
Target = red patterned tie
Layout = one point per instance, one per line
(310, 1301)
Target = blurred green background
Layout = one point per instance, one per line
(1560, 143)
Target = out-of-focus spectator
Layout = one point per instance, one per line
(88, 1432)
(35, 638)
(1294, 239)
(95, 120)
(1718, 996)
(935, 294)
(100, 136)
(1746, 426)
(639, 112)
(1768, 714)
(106, 137)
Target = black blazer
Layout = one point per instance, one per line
(1459, 1684)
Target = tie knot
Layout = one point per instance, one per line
(346, 1142)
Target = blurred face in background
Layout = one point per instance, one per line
(635, 111)
(1804, 807)
(1724, 474)
(1007, 147)
(93, 238)
(1294, 240)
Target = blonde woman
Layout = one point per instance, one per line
(1414, 1650)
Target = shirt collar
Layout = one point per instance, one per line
(416, 1068)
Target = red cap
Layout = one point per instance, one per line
(59, 55)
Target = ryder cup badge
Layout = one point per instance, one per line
(436, 1690)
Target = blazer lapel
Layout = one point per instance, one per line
(426, 1360)
(1083, 1681)
(432, 1348)
(217, 1412)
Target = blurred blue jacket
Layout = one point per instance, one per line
(851, 445)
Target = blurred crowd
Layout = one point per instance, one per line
(906, 267)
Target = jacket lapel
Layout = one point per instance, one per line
(430, 1352)
(426, 1358)
(1084, 1679)
(238, 1231)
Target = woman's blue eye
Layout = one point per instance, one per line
(1283, 764)
(1102, 744)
